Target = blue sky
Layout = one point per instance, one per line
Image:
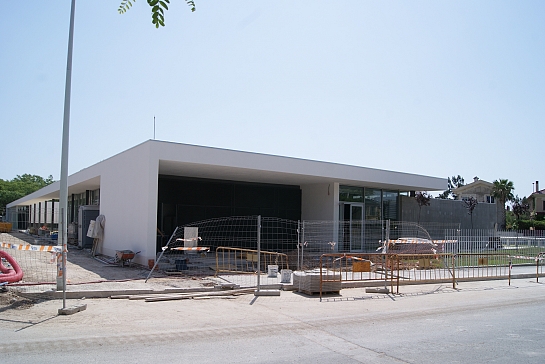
(437, 88)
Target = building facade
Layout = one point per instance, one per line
(148, 190)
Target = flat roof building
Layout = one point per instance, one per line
(156, 186)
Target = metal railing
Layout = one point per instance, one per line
(401, 269)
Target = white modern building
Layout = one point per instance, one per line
(156, 186)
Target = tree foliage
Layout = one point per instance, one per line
(422, 199)
(453, 183)
(520, 207)
(470, 204)
(19, 187)
(158, 8)
(502, 189)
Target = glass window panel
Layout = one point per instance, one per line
(373, 204)
(389, 205)
(350, 194)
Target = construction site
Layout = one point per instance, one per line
(264, 256)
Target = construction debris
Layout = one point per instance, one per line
(162, 296)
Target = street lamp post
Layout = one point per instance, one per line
(63, 198)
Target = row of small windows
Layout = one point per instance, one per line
(487, 198)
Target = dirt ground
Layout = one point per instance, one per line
(87, 273)
(11, 300)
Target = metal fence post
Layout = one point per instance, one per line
(510, 265)
(302, 243)
(453, 271)
(298, 244)
(258, 253)
(387, 236)
(163, 252)
(397, 261)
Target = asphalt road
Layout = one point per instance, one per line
(480, 322)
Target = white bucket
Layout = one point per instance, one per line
(273, 271)
(285, 276)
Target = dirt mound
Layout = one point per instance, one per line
(10, 300)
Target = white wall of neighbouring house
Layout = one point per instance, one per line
(128, 200)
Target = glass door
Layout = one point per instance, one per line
(351, 227)
(356, 227)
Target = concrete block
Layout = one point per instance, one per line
(267, 292)
(72, 309)
(377, 290)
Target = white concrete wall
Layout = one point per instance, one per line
(320, 202)
(128, 200)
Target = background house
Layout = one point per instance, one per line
(478, 189)
(537, 200)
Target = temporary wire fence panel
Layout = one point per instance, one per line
(233, 239)
(403, 229)
(241, 266)
(191, 248)
(437, 230)
(237, 260)
(38, 262)
(317, 238)
(228, 248)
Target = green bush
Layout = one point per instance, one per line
(527, 224)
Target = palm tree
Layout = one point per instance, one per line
(503, 191)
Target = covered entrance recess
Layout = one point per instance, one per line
(362, 211)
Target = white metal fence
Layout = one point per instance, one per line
(481, 240)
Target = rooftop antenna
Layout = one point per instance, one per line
(153, 127)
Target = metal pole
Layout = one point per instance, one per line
(258, 253)
(537, 270)
(386, 238)
(453, 272)
(63, 192)
(63, 255)
(397, 261)
(161, 255)
(298, 244)
(510, 265)
(302, 244)
(385, 262)
(392, 275)
(321, 277)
